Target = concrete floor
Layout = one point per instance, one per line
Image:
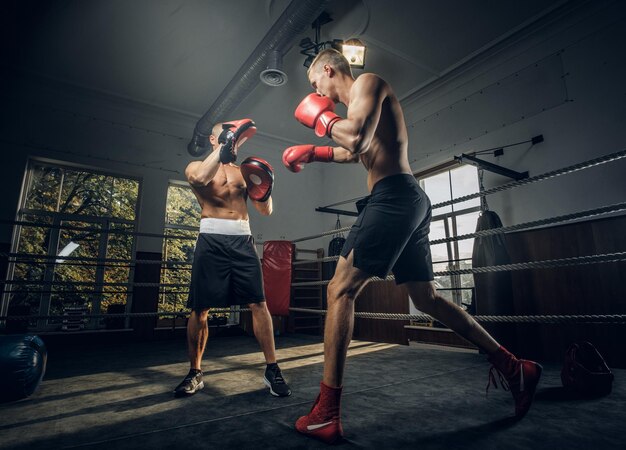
(395, 397)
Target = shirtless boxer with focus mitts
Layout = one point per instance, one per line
(234, 134)
(259, 177)
(317, 112)
(226, 269)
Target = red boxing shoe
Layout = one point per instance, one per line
(519, 376)
(324, 421)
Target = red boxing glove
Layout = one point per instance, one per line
(316, 111)
(234, 134)
(295, 157)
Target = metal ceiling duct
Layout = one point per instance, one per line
(296, 18)
(274, 75)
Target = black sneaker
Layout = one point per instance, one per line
(274, 380)
(192, 383)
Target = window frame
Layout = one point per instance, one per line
(167, 226)
(56, 219)
(450, 226)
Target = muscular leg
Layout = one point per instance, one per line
(264, 333)
(426, 299)
(324, 420)
(522, 376)
(343, 289)
(263, 330)
(197, 335)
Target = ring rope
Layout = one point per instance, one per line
(317, 260)
(94, 229)
(617, 207)
(555, 173)
(92, 283)
(138, 315)
(87, 292)
(552, 318)
(30, 256)
(545, 264)
(537, 223)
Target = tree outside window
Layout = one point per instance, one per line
(71, 219)
(182, 218)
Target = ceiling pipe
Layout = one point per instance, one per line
(296, 18)
(274, 75)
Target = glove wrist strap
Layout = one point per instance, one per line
(324, 154)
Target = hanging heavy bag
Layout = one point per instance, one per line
(336, 243)
(585, 371)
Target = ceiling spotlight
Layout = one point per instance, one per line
(354, 51)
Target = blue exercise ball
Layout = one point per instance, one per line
(22, 366)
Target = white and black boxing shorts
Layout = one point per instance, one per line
(226, 269)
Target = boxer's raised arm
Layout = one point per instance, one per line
(355, 133)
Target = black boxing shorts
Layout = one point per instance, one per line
(226, 269)
(391, 231)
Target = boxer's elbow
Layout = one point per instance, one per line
(360, 143)
(264, 208)
(359, 139)
(197, 177)
(195, 180)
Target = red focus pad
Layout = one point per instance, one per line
(277, 272)
(233, 135)
(259, 177)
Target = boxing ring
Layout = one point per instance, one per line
(118, 394)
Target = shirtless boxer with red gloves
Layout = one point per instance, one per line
(375, 134)
(226, 269)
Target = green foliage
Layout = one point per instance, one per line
(97, 203)
(44, 188)
(182, 219)
(181, 228)
(182, 207)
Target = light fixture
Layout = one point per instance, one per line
(352, 49)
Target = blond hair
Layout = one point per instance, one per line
(334, 59)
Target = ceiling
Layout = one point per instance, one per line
(179, 55)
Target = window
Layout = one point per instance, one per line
(453, 220)
(72, 218)
(182, 218)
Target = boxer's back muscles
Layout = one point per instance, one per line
(387, 152)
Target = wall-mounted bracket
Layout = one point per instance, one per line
(481, 164)
(337, 211)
